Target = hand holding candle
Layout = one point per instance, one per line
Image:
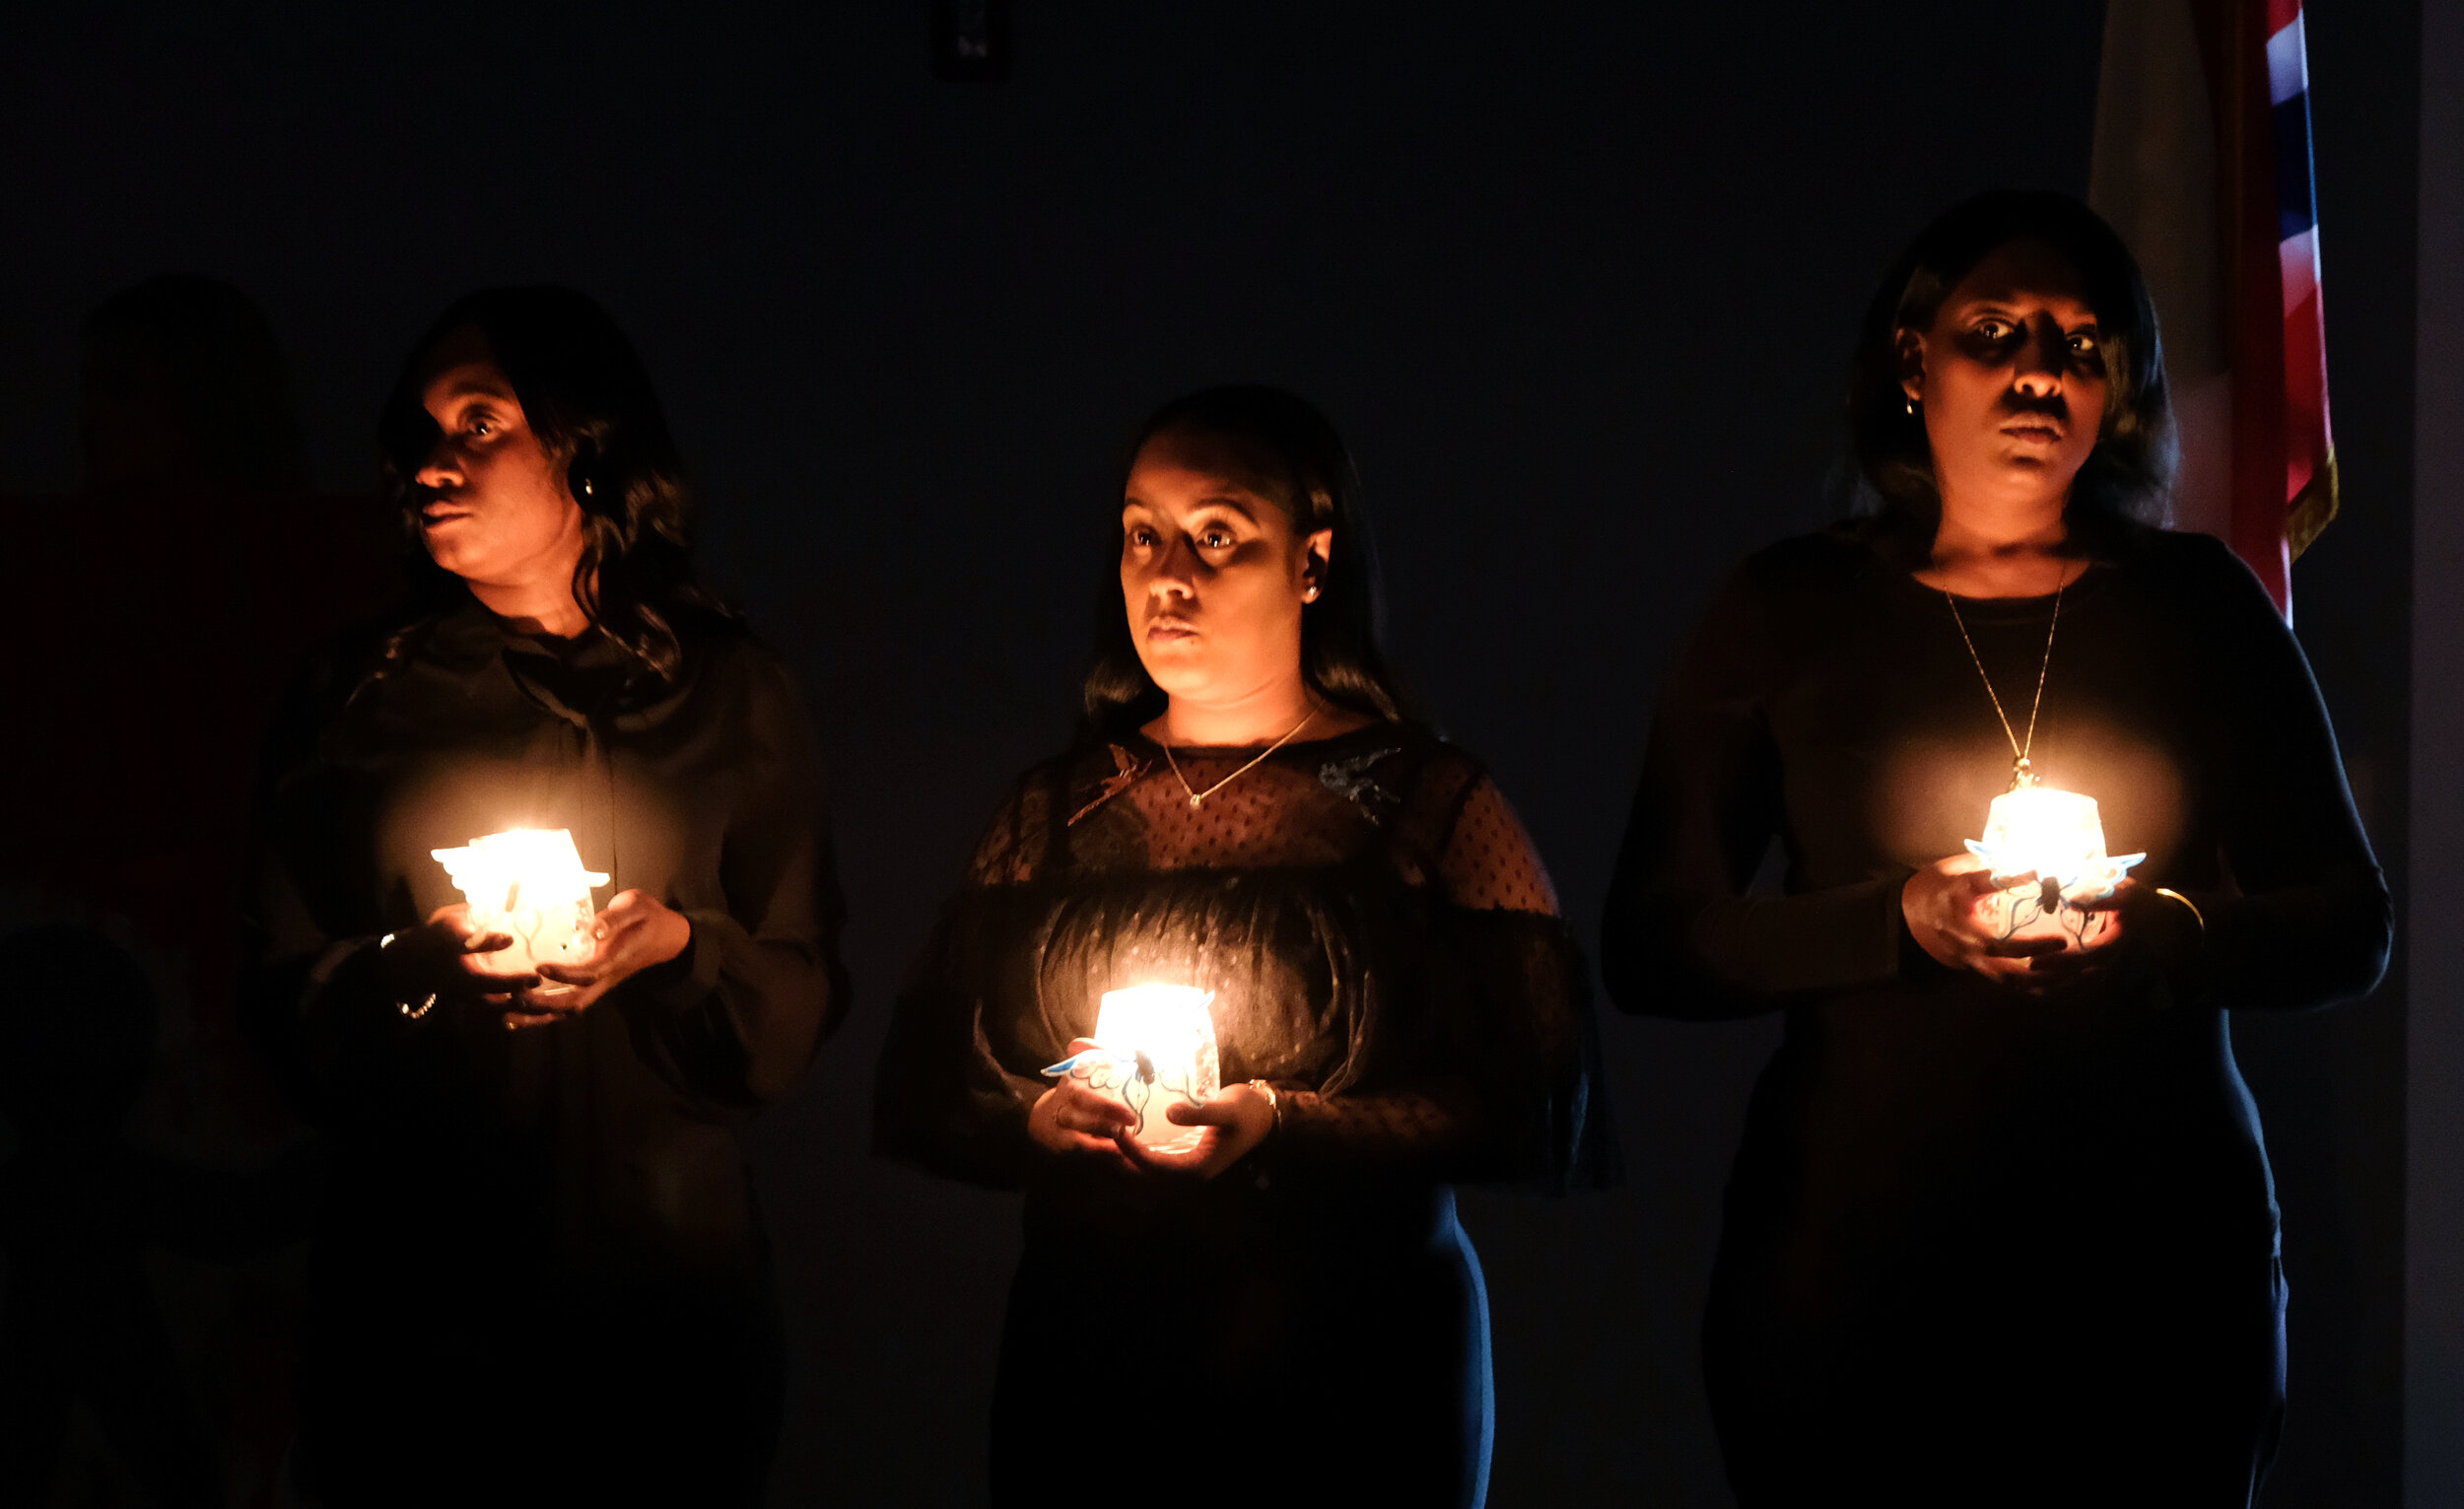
(1149, 1081)
(527, 887)
(530, 885)
(2045, 849)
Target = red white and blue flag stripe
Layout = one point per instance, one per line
(2204, 165)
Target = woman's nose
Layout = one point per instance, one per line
(442, 469)
(1174, 574)
(2042, 358)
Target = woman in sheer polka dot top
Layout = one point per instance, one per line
(1287, 1305)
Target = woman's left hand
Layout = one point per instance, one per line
(2142, 929)
(1237, 1118)
(637, 932)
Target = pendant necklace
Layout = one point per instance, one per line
(1199, 798)
(2022, 775)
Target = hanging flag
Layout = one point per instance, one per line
(2203, 163)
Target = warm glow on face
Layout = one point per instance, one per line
(497, 512)
(529, 884)
(1213, 575)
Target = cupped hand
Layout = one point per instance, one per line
(1073, 1122)
(637, 932)
(447, 956)
(2140, 931)
(1945, 907)
(1237, 1118)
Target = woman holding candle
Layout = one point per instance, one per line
(539, 1272)
(2002, 1228)
(1286, 1310)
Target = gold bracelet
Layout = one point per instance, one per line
(2192, 905)
(1274, 1103)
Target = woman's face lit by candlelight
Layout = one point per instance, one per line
(1216, 574)
(2011, 380)
(498, 513)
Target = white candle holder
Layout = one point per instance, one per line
(530, 885)
(2058, 838)
(1155, 1048)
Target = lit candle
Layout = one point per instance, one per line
(2058, 838)
(530, 885)
(1155, 1046)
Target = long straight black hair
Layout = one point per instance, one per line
(2126, 480)
(587, 397)
(1341, 658)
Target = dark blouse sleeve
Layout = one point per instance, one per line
(1497, 1076)
(314, 997)
(2308, 919)
(734, 1020)
(943, 1099)
(1682, 937)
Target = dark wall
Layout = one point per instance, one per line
(1577, 282)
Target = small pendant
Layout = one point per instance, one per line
(1197, 800)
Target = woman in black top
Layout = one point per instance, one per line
(540, 1276)
(1290, 1312)
(2002, 1228)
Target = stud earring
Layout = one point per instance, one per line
(1911, 406)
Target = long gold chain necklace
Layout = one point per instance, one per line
(2021, 773)
(1197, 797)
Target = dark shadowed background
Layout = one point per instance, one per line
(1576, 282)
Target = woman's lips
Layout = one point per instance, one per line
(1169, 629)
(2043, 430)
(435, 519)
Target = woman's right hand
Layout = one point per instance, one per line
(1943, 903)
(447, 957)
(1075, 1121)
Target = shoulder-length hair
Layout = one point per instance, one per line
(2126, 480)
(584, 393)
(1341, 658)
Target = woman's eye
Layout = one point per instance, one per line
(483, 426)
(1992, 329)
(1141, 538)
(2086, 343)
(1215, 539)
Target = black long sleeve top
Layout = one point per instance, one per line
(1377, 928)
(1828, 704)
(597, 1149)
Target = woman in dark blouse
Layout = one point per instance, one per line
(2001, 1229)
(539, 1274)
(1288, 1312)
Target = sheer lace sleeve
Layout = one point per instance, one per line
(1508, 1090)
(1489, 864)
(943, 1098)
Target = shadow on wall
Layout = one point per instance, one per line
(154, 1197)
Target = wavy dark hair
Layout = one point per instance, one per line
(587, 396)
(2126, 480)
(1340, 653)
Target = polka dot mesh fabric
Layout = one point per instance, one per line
(1301, 808)
(1380, 931)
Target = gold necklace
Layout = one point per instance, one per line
(2021, 773)
(1199, 798)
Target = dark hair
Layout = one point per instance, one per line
(2126, 480)
(1339, 655)
(205, 347)
(586, 396)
